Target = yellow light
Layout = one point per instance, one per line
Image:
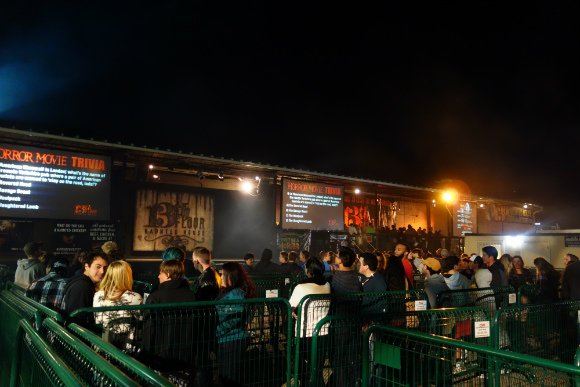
(447, 196)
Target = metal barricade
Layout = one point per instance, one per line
(246, 341)
(335, 354)
(14, 288)
(42, 309)
(548, 331)
(35, 363)
(489, 298)
(528, 294)
(284, 283)
(393, 356)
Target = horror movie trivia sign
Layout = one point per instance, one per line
(165, 218)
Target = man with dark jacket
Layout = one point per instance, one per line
(208, 283)
(498, 275)
(79, 291)
(291, 267)
(266, 265)
(571, 279)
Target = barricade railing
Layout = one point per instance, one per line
(397, 357)
(283, 283)
(87, 365)
(489, 298)
(12, 311)
(528, 294)
(548, 331)
(35, 364)
(247, 341)
(127, 364)
(42, 309)
(337, 340)
(15, 288)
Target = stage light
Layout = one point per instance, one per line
(481, 205)
(257, 178)
(525, 206)
(447, 196)
(150, 166)
(156, 177)
(357, 191)
(247, 186)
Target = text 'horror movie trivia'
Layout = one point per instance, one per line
(310, 205)
(53, 184)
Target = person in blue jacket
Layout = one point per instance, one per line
(231, 331)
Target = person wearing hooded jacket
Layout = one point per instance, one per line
(30, 269)
(266, 265)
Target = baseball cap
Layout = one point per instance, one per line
(432, 263)
(57, 262)
(477, 259)
(31, 248)
(108, 247)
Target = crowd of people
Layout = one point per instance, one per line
(102, 278)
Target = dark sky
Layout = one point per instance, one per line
(407, 92)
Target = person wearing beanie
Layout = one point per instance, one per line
(49, 290)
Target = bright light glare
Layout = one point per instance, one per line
(515, 241)
(525, 206)
(247, 186)
(447, 196)
(150, 166)
(481, 205)
(357, 191)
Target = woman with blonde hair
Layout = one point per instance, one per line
(116, 290)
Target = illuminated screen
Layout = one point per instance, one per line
(465, 219)
(314, 206)
(42, 183)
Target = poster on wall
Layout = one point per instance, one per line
(74, 236)
(166, 218)
(465, 219)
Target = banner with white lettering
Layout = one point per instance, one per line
(164, 219)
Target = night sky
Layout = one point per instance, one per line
(407, 92)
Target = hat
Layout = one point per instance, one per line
(432, 263)
(57, 262)
(31, 248)
(477, 259)
(108, 247)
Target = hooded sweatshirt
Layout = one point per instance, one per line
(79, 292)
(434, 285)
(28, 271)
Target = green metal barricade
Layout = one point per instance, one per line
(35, 364)
(85, 363)
(546, 331)
(14, 288)
(489, 298)
(127, 364)
(245, 341)
(528, 294)
(397, 357)
(42, 309)
(12, 311)
(284, 283)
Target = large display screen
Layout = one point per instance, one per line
(465, 219)
(49, 184)
(310, 205)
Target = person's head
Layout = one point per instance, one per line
(266, 255)
(171, 270)
(569, 259)
(438, 252)
(489, 255)
(381, 261)
(249, 258)
(416, 253)
(58, 265)
(395, 274)
(304, 255)
(32, 249)
(292, 256)
(444, 253)
(314, 267)
(283, 258)
(96, 264)
(450, 263)
(476, 262)
(202, 256)
(110, 248)
(80, 256)
(368, 264)
(331, 257)
(235, 277)
(517, 262)
(173, 253)
(118, 279)
(346, 257)
(430, 266)
(543, 265)
(401, 251)
(464, 264)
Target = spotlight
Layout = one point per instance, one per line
(150, 166)
(525, 206)
(357, 191)
(221, 176)
(200, 175)
(481, 205)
